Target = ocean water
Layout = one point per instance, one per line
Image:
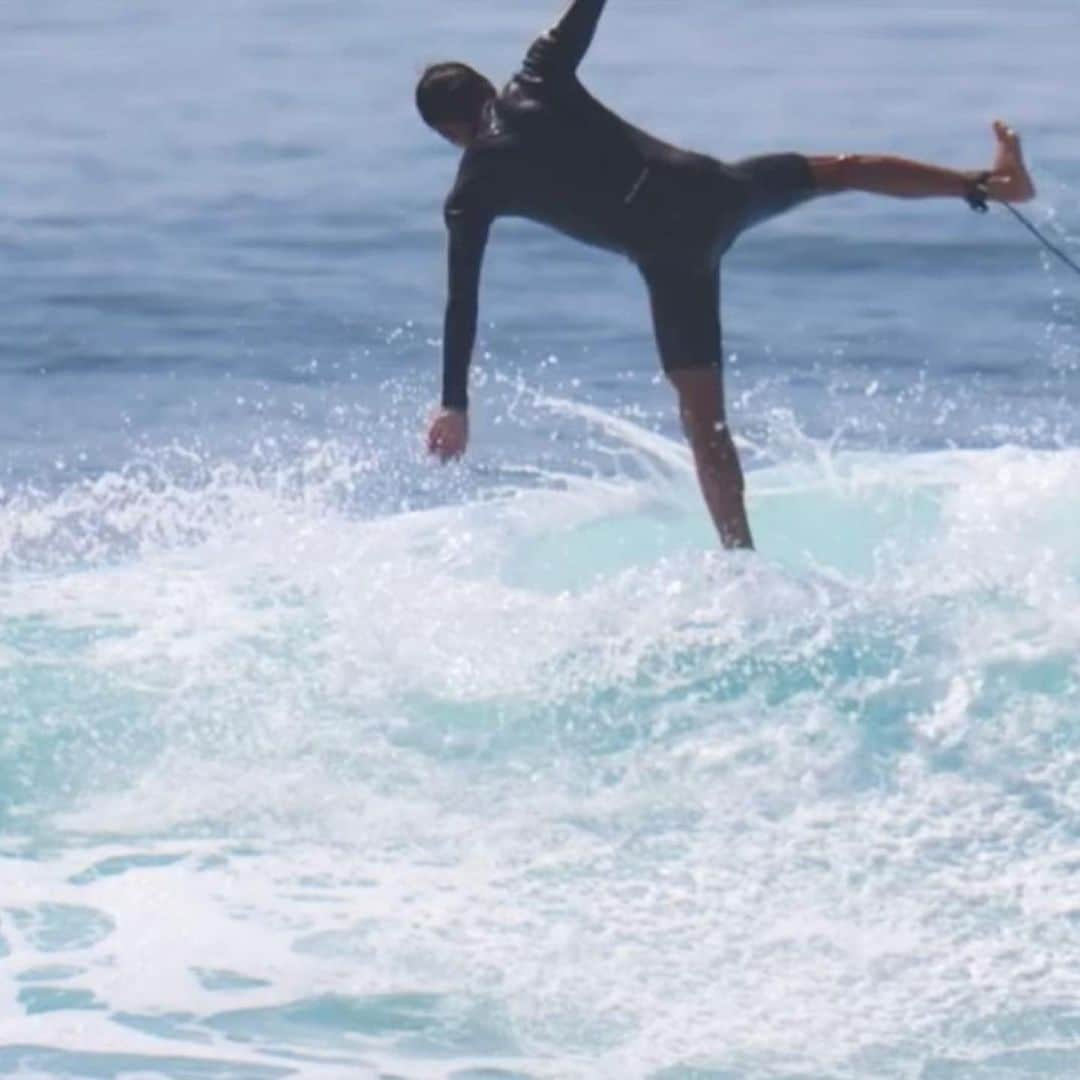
(320, 760)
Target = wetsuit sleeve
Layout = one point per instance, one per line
(467, 239)
(563, 47)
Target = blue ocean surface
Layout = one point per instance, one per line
(320, 760)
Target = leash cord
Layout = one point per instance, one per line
(978, 197)
(1038, 234)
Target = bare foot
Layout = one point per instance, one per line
(1009, 179)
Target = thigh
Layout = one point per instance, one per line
(777, 183)
(685, 306)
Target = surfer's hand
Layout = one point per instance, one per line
(448, 434)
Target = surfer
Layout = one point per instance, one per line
(543, 148)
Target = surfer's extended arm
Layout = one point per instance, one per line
(467, 239)
(563, 47)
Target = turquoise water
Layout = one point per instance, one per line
(319, 761)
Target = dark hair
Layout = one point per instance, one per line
(451, 93)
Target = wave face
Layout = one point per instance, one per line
(540, 784)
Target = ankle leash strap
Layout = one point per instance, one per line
(978, 194)
(977, 197)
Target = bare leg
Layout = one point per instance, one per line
(1009, 180)
(701, 409)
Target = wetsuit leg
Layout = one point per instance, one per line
(685, 304)
(776, 183)
(686, 315)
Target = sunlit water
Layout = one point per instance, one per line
(319, 761)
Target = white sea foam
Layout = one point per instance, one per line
(608, 800)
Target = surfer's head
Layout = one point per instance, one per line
(451, 99)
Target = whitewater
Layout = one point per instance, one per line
(541, 784)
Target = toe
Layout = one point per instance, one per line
(1006, 134)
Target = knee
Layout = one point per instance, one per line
(698, 426)
(704, 427)
(710, 438)
(701, 409)
(838, 172)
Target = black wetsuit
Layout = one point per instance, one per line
(550, 152)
